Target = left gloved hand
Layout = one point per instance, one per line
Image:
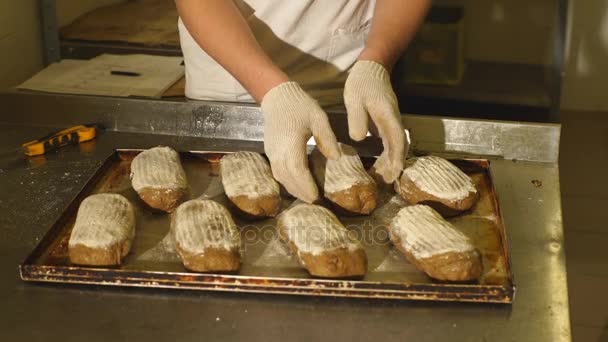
(368, 94)
(291, 117)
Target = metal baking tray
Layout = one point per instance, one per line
(267, 264)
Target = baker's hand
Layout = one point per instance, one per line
(291, 117)
(368, 94)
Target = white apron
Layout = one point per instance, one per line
(313, 41)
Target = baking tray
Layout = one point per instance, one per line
(267, 264)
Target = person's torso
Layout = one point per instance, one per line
(314, 41)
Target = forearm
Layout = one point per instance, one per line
(220, 29)
(394, 24)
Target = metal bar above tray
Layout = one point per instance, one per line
(241, 122)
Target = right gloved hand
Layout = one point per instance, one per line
(368, 94)
(291, 117)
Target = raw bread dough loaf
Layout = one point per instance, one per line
(321, 242)
(206, 237)
(344, 181)
(158, 178)
(434, 245)
(437, 183)
(248, 183)
(103, 231)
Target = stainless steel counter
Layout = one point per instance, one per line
(34, 192)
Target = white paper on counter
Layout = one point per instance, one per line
(93, 77)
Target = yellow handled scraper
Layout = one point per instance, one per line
(55, 140)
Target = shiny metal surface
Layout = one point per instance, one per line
(34, 192)
(475, 138)
(267, 265)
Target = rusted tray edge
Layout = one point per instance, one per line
(37, 271)
(501, 295)
(503, 232)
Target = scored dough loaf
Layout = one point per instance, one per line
(158, 178)
(434, 245)
(206, 237)
(103, 231)
(344, 181)
(248, 183)
(437, 183)
(321, 242)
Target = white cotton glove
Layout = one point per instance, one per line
(368, 94)
(291, 117)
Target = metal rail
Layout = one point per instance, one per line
(50, 31)
(475, 138)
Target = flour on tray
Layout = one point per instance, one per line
(164, 251)
(394, 262)
(276, 254)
